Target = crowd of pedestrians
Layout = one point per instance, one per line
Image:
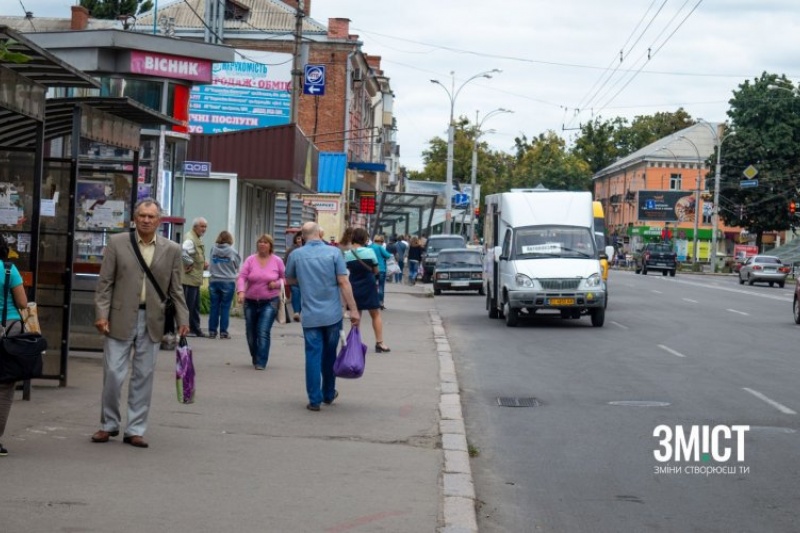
(143, 274)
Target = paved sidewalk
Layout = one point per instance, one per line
(247, 455)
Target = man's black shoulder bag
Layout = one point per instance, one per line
(21, 356)
(169, 305)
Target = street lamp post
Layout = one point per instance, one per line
(718, 140)
(474, 175)
(452, 94)
(696, 198)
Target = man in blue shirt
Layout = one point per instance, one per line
(321, 273)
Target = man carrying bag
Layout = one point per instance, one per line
(131, 315)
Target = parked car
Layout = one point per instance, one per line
(433, 246)
(656, 256)
(766, 268)
(458, 269)
(796, 303)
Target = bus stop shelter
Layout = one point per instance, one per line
(405, 213)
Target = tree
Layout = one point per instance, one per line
(765, 133)
(604, 141)
(597, 145)
(112, 9)
(545, 161)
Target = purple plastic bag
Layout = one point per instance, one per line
(352, 357)
(184, 372)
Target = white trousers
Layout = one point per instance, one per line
(115, 371)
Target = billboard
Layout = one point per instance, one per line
(255, 91)
(666, 206)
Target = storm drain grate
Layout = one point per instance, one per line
(518, 402)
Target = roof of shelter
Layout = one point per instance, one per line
(42, 67)
(58, 118)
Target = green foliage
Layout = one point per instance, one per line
(205, 301)
(545, 161)
(604, 141)
(111, 9)
(765, 133)
(9, 56)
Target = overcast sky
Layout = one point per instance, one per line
(560, 58)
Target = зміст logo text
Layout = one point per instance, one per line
(699, 444)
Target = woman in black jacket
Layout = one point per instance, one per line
(414, 259)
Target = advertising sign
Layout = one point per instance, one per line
(255, 91)
(169, 66)
(200, 169)
(743, 251)
(666, 206)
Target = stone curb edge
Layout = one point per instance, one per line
(458, 490)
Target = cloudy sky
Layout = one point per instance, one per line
(560, 58)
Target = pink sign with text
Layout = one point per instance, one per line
(169, 66)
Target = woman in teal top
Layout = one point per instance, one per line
(16, 300)
(381, 254)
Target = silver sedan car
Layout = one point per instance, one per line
(764, 268)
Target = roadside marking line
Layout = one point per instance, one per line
(670, 350)
(690, 300)
(619, 325)
(657, 292)
(738, 312)
(780, 407)
(780, 296)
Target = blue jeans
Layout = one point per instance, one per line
(296, 298)
(321, 344)
(413, 268)
(381, 285)
(219, 315)
(259, 315)
(398, 278)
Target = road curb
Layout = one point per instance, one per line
(458, 489)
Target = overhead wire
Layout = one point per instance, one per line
(614, 61)
(653, 54)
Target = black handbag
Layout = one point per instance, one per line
(169, 305)
(21, 356)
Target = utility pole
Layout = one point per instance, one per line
(297, 70)
(297, 83)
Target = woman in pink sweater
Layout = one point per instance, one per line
(258, 288)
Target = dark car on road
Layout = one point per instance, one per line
(433, 246)
(458, 269)
(656, 256)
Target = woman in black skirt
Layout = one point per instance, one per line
(363, 267)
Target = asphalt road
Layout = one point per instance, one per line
(680, 352)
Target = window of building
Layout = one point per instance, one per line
(236, 11)
(675, 181)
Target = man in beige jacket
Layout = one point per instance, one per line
(131, 315)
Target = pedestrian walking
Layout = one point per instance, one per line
(363, 267)
(414, 258)
(224, 268)
(258, 288)
(297, 306)
(194, 261)
(17, 299)
(381, 254)
(321, 272)
(130, 314)
(400, 255)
